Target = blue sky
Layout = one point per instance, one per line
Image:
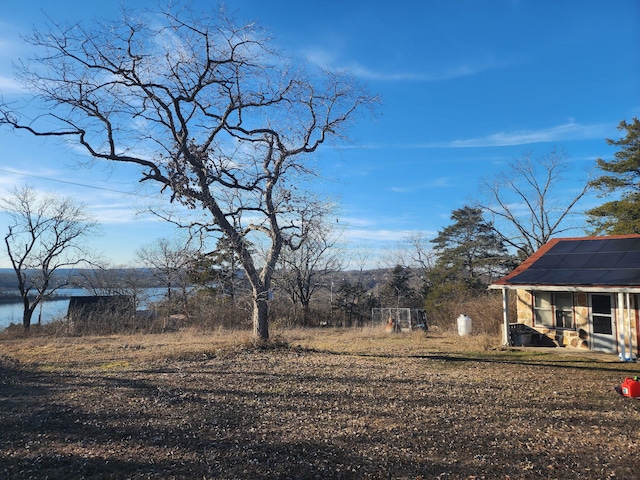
(466, 86)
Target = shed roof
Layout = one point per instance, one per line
(580, 264)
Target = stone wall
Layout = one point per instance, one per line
(525, 307)
(578, 338)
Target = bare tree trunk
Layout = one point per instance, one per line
(261, 315)
(305, 312)
(26, 314)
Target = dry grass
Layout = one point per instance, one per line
(485, 311)
(311, 404)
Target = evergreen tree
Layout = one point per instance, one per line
(218, 271)
(470, 256)
(397, 292)
(353, 300)
(622, 176)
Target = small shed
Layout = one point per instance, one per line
(98, 307)
(578, 293)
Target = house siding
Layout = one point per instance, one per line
(579, 337)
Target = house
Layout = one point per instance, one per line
(579, 293)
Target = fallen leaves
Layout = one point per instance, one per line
(307, 413)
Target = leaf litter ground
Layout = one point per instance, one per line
(325, 404)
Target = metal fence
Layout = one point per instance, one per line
(398, 319)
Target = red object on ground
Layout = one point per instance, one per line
(630, 388)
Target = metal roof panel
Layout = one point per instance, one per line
(581, 262)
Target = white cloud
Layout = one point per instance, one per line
(356, 222)
(564, 132)
(10, 86)
(370, 235)
(328, 61)
(456, 71)
(558, 133)
(437, 182)
(121, 214)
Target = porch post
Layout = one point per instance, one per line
(620, 324)
(506, 338)
(629, 326)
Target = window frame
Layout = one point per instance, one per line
(552, 311)
(539, 308)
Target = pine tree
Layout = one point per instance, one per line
(470, 255)
(218, 271)
(622, 176)
(398, 289)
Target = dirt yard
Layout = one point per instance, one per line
(317, 404)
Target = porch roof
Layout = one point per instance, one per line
(580, 264)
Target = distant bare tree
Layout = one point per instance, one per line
(530, 202)
(44, 236)
(421, 258)
(307, 269)
(415, 253)
(421, 255)
(206, 109)
(103, 279)
(169, 260)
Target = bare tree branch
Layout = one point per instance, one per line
(528, 204)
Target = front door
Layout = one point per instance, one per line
(603, 326)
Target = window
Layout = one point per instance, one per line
(601, 315)
(564, 309)
(553, 309)
(543, 307)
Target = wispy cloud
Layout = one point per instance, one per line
(367, 230)
(437, 182)
(9, 86)
(108, 206)
(328, 61)
(120, 214)
(564, 132)
(466, 69)
(375, 236)
(558, 133)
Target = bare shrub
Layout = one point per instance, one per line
(485, 312)
(16, 330)
(107, 324)
(209, 313)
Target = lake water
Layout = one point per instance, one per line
(55, 309)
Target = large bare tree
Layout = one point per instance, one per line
(531, 201)
(208, 111)
(44, 237)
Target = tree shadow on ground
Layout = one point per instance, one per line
(198, 422)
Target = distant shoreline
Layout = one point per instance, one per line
(6, 298)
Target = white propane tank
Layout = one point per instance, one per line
(464, 325)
